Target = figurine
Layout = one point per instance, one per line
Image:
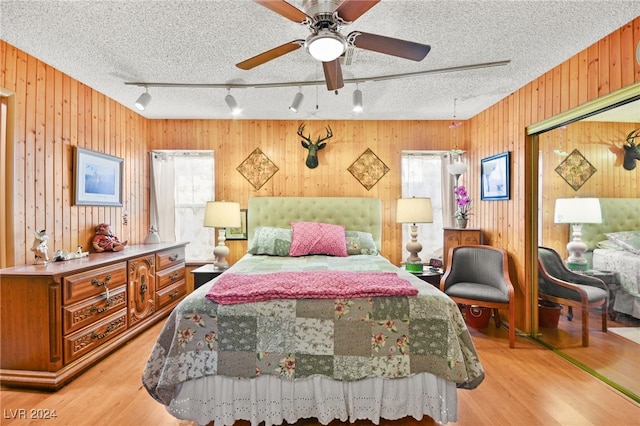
(39, 247)
(105, 240)
(152, 236)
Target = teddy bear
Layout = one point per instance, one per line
(104, 239)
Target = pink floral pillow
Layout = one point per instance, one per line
(317, 238)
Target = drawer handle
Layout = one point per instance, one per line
(173, 257)
(94, 308)
(95, 281)
(109, 329)
(143, 285)
(174, 294)
(174, 276)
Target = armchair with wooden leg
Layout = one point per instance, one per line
(557, 283)
(479, 275)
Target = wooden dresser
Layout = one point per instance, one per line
(58, 319)
(454, 237)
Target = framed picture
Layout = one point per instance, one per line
(495, 177)
(241, 232)
(98, 178)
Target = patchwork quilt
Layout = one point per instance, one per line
(347, 339)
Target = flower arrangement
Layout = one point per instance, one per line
(463, 203)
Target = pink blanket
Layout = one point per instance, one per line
(243, 288)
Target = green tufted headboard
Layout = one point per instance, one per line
(618, 214)
(354, 213)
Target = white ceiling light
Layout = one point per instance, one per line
(357, 100)
(325, 45)
(297, 101)
(143, 101)
(232, 103)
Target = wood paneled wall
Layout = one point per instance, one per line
(53, 113)
(601, 144)
(234, 140)
(604, 67)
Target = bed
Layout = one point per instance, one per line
(400, 348)
(614, 245)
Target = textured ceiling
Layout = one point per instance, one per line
(104, 44)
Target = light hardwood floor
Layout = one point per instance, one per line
(527, 385)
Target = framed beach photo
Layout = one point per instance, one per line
(241, 232)
(97, 178)
(495, 177)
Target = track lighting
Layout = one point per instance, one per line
(232, 104)
(297, 100)
(143, 100)
(357, 100)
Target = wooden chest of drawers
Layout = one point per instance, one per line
(454, 237)
(58, 319)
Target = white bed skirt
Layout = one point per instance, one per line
(271, 400)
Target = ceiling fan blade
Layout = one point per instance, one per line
(333, 74)
(274, 53)
(350, 10)
(285, 9)
(389, 46)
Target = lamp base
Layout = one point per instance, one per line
(577, 266)
(221, 251)
(414, 268)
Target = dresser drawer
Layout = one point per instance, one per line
(169, 276)
(88, 311)
(91, 283)
(170, 294)
(168, 258)
(89, 338)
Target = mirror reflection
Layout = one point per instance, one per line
(596, 239)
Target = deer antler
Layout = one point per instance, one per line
(300, 130)
(329, 135)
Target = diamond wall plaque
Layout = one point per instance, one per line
(575, 170)
(257, 168)
(368, 169)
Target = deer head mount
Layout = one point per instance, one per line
(312, 157)
(631, 150)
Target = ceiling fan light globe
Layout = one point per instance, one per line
(325, 46)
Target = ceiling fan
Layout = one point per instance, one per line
(326, 43)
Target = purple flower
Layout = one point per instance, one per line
(463, 203)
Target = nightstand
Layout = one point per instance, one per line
(204, 274)
(431, 276)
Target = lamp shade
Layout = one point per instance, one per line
(222, 214)
(414, 210)
(577, 210)
(457, 168)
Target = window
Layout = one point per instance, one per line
(181, 184)
(423, 174)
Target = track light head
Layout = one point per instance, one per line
(232, 104)
(143, 101)
(297, 101)
(357, 100)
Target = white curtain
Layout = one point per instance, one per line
(181, 184)
(424, 174)
(448, 186)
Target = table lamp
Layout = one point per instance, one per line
(577, 211)
(414, 210)
(221, 215)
